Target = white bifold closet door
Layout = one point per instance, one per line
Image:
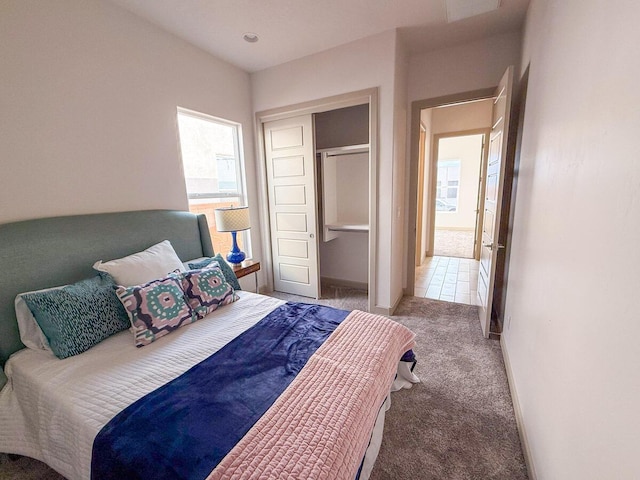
(291, 184)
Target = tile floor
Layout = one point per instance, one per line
(448, 278)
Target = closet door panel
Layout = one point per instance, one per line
(291, 222)
(288, 167)
(294, 273)
(293, 248)
(290, 195)
(291, 186)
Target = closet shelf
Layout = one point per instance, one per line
(347, 227)
(346, 150)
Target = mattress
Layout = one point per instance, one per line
(52, 409)
(58, 425)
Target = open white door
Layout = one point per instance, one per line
(494, 183)
(291, 185)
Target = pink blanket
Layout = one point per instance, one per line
(319, 428)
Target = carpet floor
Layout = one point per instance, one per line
(457, 424)
(453, 243)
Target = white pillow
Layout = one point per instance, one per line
(142, 267)
(30, 333)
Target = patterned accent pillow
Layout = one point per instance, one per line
(156, 308)
(76, 317)
(228, 272)
(207, 289)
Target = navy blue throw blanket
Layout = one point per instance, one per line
(185, 428)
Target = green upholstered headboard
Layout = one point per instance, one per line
(48, 252)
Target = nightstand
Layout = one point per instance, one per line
(246, 268)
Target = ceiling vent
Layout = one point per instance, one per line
(459, 9)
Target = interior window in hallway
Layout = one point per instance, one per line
(448, 278)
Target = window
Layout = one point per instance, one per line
(448, 184)
(213, 170)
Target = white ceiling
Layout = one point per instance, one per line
(290, 29)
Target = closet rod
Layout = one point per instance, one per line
(346, 150)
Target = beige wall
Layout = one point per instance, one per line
(351, 67)
(471, 66)
(88, 110)
(466, 116)
(572, 323)
(346, 257)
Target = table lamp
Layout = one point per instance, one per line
(234, 220)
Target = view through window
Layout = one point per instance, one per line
(448, 184)
(213, 171)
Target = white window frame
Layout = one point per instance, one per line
(240, 168)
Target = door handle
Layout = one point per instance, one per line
(311, 235)
(492, 245)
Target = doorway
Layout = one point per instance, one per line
(457, 194)
(449, 195)
(451, 273)
(498, 148)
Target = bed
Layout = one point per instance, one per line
(84, 415)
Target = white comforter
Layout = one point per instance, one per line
(52, 409)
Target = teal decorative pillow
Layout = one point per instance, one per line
(156, 308)
(227, 271)
(206, 289)
(76, 317)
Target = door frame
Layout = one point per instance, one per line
(412, 171)
(433, 170)
(420, 195)
(368, 96)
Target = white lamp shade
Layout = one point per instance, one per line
(232, 219)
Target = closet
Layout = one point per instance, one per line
(342, 160)
(318, 180)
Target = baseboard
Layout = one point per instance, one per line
(339, 282)
(456, 229)
(381, 310)
(524, 442)
(396, 303)
(388, 311)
